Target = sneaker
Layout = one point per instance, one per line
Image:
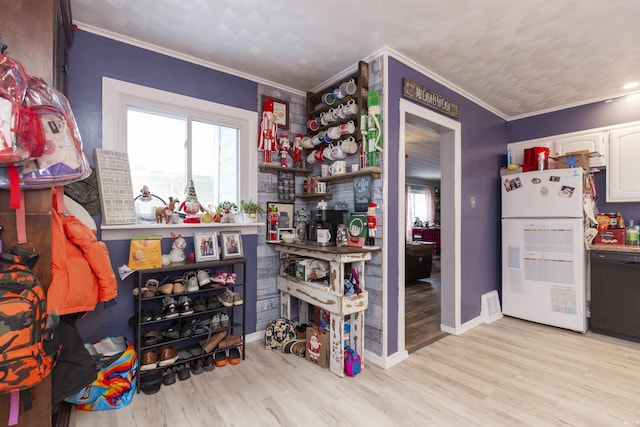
(234, 355)
(169, 376)
(149, 360)
(185, 306)
(171, 332)
(186, 329)
(203, 278)
(215, 322)
(168, 356)
(203, 327)
(197, 366)
(220, 278)
(169, 308)
(237, 299)
(231, 279)
(208, 363)
(192, 281)
(220, 358)
(226, 298)
(213, 303)
(199, 305)
(224, 320)
(183, 371)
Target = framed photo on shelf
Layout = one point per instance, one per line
(282, 231)
(280, 111)
(231, 246)
(206, 246)
(279, 215)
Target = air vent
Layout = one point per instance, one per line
(490, 311)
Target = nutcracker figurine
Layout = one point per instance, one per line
(297, 151)
(268, 131)
(285, 146)
(272, 218)
(372, 225)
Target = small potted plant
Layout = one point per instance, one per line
(251, 209)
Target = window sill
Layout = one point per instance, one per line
(124, 232)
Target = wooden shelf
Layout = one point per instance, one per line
(274, 167)
(374, 171)
(325, 196)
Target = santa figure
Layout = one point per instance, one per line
(268, 131)
(285, 145)
(297, 151)
(191, 206)
(370, 240)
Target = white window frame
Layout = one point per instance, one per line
(117, 95)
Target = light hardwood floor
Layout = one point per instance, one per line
(508, 373)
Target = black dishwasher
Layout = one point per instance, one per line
(615, 294)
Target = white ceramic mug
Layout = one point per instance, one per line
(350, 107)
(348, 128)
(334, 132)
(328, 153)
(337, 152)
(341, 112)
(323, 235)
(328, 98)
(355, 167)
(324, 170)
(306, 142)
(349, 145)
(321, 187)
(349, 88)
(338, 167)
(311, 158)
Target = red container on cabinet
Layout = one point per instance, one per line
(531, 158)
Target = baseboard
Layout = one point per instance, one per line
(255, 336)
(464, 327)
(387, 362)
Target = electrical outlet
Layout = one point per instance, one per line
(473, 202)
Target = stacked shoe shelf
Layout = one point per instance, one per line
(145, 303)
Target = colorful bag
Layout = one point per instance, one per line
(278, 332)
(115, 386)
(352, 362)
(23, 318)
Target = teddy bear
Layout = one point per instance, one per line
(177, 250)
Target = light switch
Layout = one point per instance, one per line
(473, 202)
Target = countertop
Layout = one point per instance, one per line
(333, 249)
(615, 248)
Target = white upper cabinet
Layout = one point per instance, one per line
(623, 169)
(517, 148)
(594, 142)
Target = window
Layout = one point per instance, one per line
(172, 139)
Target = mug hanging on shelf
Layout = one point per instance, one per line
(349, 88)
(328, 98)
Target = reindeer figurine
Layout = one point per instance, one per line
(165, 212)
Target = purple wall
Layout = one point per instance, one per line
(483, 145)
(93, 57)
(599, 114)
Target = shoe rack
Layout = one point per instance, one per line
(150, 302)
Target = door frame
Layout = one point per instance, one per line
(450, 228)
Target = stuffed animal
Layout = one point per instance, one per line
(177, 250)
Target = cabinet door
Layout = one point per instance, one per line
(623, 173)
(592, 142)
(517, 148)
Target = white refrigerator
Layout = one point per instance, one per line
(544, 261)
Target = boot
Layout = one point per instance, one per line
(210, 344)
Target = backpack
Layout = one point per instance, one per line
(278, 332)
(23, 318)
(352, 362)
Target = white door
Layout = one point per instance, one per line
(593, 142)
(547, 193)
(544, 272)
(623, 173)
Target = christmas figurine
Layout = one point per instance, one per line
(268, 131)
(191, 206)
(272, 217)
(371, 225)
(285, 145)
(297, 151)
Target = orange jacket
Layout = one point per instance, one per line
(82, 275)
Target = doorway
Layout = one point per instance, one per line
(444, 285)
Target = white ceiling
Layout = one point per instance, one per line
(514, 57)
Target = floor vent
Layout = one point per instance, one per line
(491, 307)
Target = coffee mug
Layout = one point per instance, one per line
(313, 124)
(355, 167)
(338, 93)
(348, 88)
(334, 132)
(321, 187)
(328, 98)
(311, 158)
(337, 152)
(350, 107)
(315, 140)
(341, 113)
(348, 128)
(349, 145)
(319, 155)
(338, 167)
(324, 170)
(306, 142)
(328, 153)
(323, 235)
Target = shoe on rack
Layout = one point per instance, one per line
(208, 363)
(152, 285)
(168, 356)
(192, 281)
(202, 327)
(169, 308)
(150, 381)
(179, 286)
(213, 303)
(224, 320)
(210, 344)
(166, 288)
(197, 366)
(203, 278)
(237, 299)
(215, 322)
(169, 376)
(220, 278)
(199, 305)
(220, 358)
(171, 332)
(149, 360)
(183, 371)
(231, 279)
(151, 337)
(187, 328)
(231, 341)
(226, 298)
(185, 306)
(234, 355)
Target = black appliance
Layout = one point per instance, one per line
(331, 219)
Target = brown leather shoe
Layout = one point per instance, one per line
(168, 356)
(209, 345)
(230, 341)
(166, 289)
(149, 360)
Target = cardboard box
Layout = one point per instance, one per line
(309, 269)
(611, 236)
(577, 158)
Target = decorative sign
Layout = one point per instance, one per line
(286, 186)
(114, 184)
(361, 193)
(424, 96)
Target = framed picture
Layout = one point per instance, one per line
(206, 246)
(280, 111)
(231, 246)
(279, 215)
(282, 231)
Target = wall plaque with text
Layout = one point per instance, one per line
(424, 96)
(114, 184)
